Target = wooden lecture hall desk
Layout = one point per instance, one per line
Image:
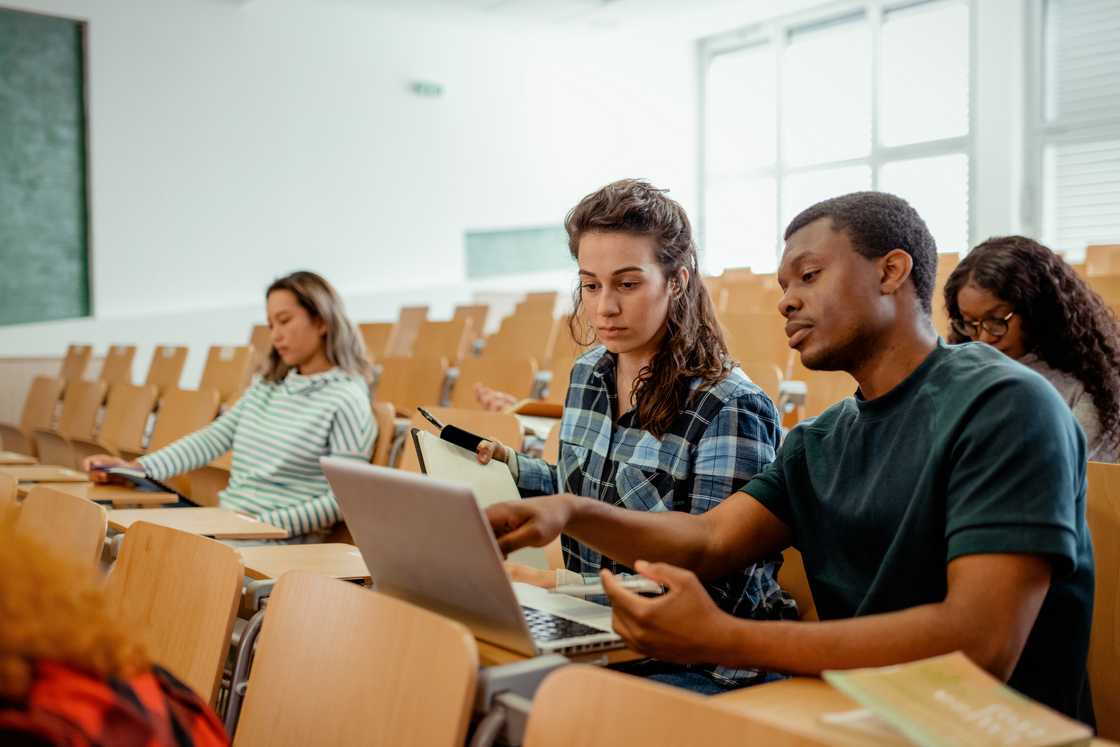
(12, 459)
(332, 559)
(44, 473)
(797, 705)
(218, 523)
(119, 495)
(491, 655)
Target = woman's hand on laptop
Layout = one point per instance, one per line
(683, 625)
(533, 522)
(544, 578)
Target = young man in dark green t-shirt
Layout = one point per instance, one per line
(941, 509)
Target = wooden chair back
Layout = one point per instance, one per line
(477, 314)
(117, 366)
(126, 418)
(404, 333)
(38, 414)
(376, 337)
(521, 336)
(75, 363)
(181, 412)
(450, 340)
(385, 415)
(595, 707)
(536, 303)
(180, 592)
(336, 664)
(1102, 259)
(513, 375)
(500, 426)
(551, 450)
(759, 338)
(562, 345)
(767, 375)
(260, 340)
(825, 388)
(946, 263)
(228, 369)
(713, 284)
(80, 406)
(42, 399)
(9, 491)
(561, 375)
(408, 382)
(1102, 510)
(1107, 286)
(166, 368)
(53, 448)
(755, 296)
(72, 526)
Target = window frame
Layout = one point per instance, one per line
(776, 33)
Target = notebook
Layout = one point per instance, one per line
(492, 483)
(948, 700)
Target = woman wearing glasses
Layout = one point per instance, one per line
(1023, 299)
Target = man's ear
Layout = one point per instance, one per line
(894, 267)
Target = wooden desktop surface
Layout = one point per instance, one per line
(44, 473)
(218, 523)
(332, 559)
(490, 655)
(118, 495)
(12, 459)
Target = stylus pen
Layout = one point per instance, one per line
(430, 418)
(453, 434)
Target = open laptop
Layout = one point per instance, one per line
(427, 542)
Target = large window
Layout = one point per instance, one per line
(1075, 151)
(876, 97)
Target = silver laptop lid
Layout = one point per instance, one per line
(426, 541)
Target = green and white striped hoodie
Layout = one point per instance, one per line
(277, 433)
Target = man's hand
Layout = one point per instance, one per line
(683, 625)
(529, 523)
(544, 578)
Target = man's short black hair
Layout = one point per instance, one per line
(878, 223)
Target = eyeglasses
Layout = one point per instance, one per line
(971, 330)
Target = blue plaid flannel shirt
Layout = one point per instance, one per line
(728, 433)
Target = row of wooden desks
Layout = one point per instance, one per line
(12, 459)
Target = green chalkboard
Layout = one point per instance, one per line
(44, 247)
(516, 250)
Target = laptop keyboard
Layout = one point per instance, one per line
(546, 627)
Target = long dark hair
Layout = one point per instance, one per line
(343, 344)
(1065, 322)
(693, 346)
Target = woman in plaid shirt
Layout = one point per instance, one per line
(657, 417)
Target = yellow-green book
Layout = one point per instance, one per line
(949, 701)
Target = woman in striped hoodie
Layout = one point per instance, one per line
(311, 400)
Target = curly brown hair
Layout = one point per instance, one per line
(1065, 322)
(693, 346)
(54, 609)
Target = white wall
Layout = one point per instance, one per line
(231, 142)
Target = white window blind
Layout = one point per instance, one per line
(1080, 127)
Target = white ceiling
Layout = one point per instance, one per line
(688, 18)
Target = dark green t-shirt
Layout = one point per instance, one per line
(972, 453)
